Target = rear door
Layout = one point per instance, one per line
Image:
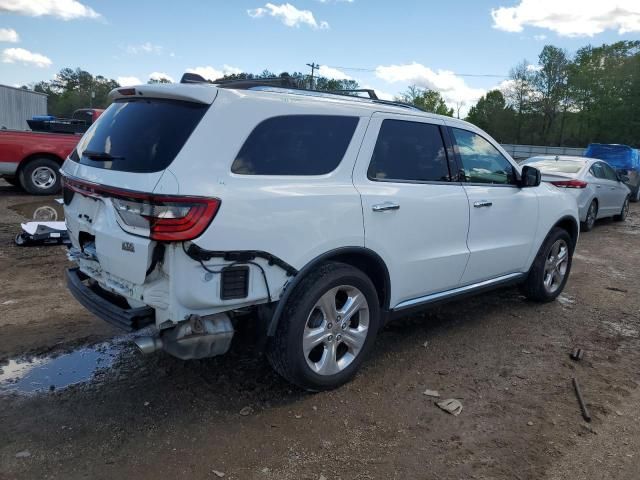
(604, 193)
(416, 217)
(503, 217)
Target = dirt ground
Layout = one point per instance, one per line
(506, 360)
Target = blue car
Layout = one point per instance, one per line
(624, 159)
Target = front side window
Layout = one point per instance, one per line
(296, 145)
(409, 151)
(481, 161)
(609, 173)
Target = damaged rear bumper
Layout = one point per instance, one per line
(98, 302)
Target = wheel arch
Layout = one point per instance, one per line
(571, 226)
(361, 258)
(34, 156)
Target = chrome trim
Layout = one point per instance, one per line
(8, 168)
(457, 291)
(382, 207)
(482, 203)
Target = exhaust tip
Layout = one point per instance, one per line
(148, 345)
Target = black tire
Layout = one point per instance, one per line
(622, 216)
(589, 223)
(285, 349)
(37, 184)
(534, 286)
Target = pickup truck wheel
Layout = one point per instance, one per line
(550, 270)
(41, 176)
(327, 328)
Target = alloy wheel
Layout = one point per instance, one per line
(336, 330)
(43, 177)
(556, 265)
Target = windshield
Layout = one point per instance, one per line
(139, 135)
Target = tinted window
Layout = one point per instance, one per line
(481, 161)
(139, 135)
(296, 145)
(556, 166)
(409, 151)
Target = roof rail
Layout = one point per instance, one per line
(291, 83)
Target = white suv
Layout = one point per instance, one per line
(324, 215)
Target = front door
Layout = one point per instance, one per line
(415, 217)
(503, 216)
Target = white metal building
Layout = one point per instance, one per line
(18, 105)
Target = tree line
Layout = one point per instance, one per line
(566, 100)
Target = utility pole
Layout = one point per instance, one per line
(314, 66)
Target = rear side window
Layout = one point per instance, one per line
(409, 151)
(141, 135)
(296, 145)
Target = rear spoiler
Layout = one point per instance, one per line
(197, 92)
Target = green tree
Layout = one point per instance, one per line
(492, 114)
(550, 82)
(426, 99)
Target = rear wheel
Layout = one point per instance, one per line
(624, 212)
(550, 270)
(41, 176)
(327, 328)
(592, 214)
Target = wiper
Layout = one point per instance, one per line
(100, 155)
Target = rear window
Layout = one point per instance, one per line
(296, 145)
(552, 166)
(140, 135)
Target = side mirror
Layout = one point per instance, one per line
(623, 178)
(530, 177)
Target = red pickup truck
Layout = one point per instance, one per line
(32, 159)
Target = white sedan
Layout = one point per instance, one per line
(599, 190)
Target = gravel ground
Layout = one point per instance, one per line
(506, 360)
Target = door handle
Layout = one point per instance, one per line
(383, 207)
(598, 186)
(482, 203)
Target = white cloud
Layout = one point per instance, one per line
(452, 88)
(64, 9)
(161, 75)
(9, 35)
(129, 81)
(570, 18)
(146, 47)
(289, 15)
(540, 37)
(336, 1)
(20, 55)
(329, 72)
(212, 73)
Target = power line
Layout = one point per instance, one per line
(368, 69)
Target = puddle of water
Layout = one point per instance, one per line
(46, 210)
(38, 374)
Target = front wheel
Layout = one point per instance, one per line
(550, 270)
(327, 328)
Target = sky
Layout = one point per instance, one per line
(461, 48)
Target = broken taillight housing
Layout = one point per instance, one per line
(167, 218)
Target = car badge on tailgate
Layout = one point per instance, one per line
(128, 247)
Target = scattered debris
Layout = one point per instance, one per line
(217, 473)
(322, 477)
(42, 233)
(146, 404)
(530, 423)
(583, 406)
(616, 289)
(619, 413)
(298, 416)
(526, 351)
(425, 344)
(431, 393)
(9, 302)
(23, 454)
(265, 470)
(451, 405)
(577, 354)
(246, 411)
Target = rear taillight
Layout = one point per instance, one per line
(161, 217)
(570, 184)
